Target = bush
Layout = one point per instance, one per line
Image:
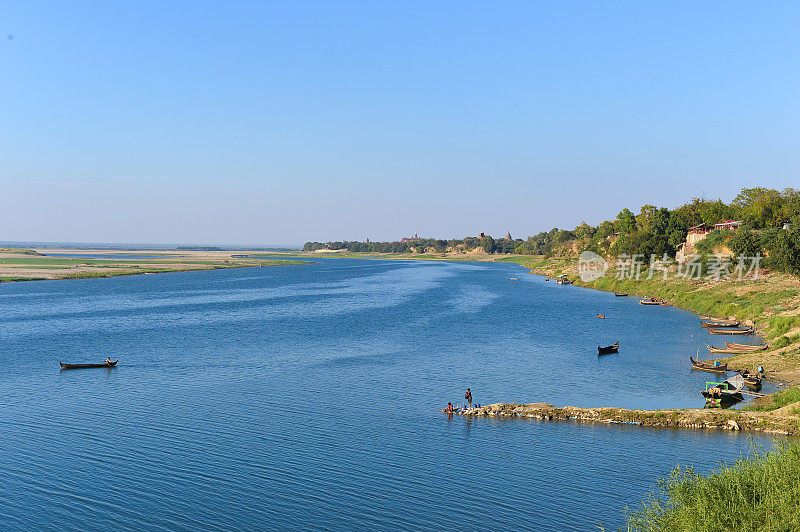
(759, 492)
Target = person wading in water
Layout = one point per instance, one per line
(468, 397)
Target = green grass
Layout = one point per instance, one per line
(777, 400)
(759, 492)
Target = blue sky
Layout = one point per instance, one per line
(277, 123)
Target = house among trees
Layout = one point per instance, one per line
(730, 225)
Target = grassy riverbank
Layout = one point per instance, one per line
(33, 265)
(758, 492)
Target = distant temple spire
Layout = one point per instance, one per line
(508, 235)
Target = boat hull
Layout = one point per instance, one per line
(87, 366)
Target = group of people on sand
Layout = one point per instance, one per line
(450, 408)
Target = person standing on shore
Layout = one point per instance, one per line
(468, 397)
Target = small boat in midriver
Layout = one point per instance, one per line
(85, 366)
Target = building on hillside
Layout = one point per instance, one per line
(697, 233)
(411, 238)
(481, 235)
(508, 236)
(731, 225)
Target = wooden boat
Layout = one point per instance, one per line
(745, 347)
(601, 316)
(650, 301)
(723, 393)
(718, 320)
(718, 324)
(620, 295)
(726, 350)
(751, 380)
(722, 330)
(705, 366)
(85, 366)
(608, 350)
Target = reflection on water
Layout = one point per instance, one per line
(310, 397)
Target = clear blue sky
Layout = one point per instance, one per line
(268, 123)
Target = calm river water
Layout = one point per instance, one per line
(310, 396)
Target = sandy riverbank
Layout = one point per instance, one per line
(29, 267)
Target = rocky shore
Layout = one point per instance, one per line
(781, 421)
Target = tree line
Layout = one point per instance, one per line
(770, 226)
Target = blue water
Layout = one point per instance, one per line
(309, 397)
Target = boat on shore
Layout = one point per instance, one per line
(745, 347)
(722, 330)
(620, 294)
(727, 350)
(718, 320)
(726, 393)
(751, 380)
(608, 350)
(650, 301)
(718, 324)
(705, 366)
(86, 366)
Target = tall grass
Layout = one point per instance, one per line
(759, 492)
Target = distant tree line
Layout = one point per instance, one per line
(770, 227)
(421, 245)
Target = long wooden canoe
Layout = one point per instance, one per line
(85, 366)
(734, 345)
(705, 366)
(648, 302)
(620, 295)
(722, 330)
(719, 324)
(727, 350)
(718, 320)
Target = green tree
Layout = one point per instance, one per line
(487, 243)
(627, 221)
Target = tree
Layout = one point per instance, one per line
(487, 243)
(745, 242)
(627, 221)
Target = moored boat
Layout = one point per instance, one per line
(734, 345)
(85, 366)
(719, 324)
(649, 301)
(751, 380)
(726, 393)
(620, 294)
(718, 320)
(727, 350)
(723, 330)
(705, 366)
(608, 350)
